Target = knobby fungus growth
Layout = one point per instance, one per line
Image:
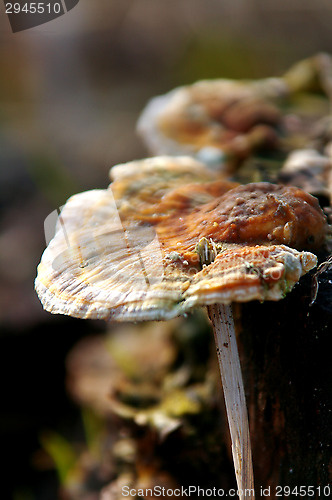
(168, 236)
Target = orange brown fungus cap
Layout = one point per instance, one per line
(141, 187)
(264, 213)
(235, 113)
(219, 121)
(176, 242)
(259, 213)
(184, 199)
(245, 273)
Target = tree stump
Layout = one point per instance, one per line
(286, 358)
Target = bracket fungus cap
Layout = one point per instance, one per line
(217, 121)
(108, 261)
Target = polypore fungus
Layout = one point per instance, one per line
(105, 239)
(218, 121)
(309, 170)
(167, 236)
(223, 122)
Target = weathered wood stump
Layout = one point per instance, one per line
(286, 358)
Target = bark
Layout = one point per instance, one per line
(286, 358)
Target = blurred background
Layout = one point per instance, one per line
(70, 95)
